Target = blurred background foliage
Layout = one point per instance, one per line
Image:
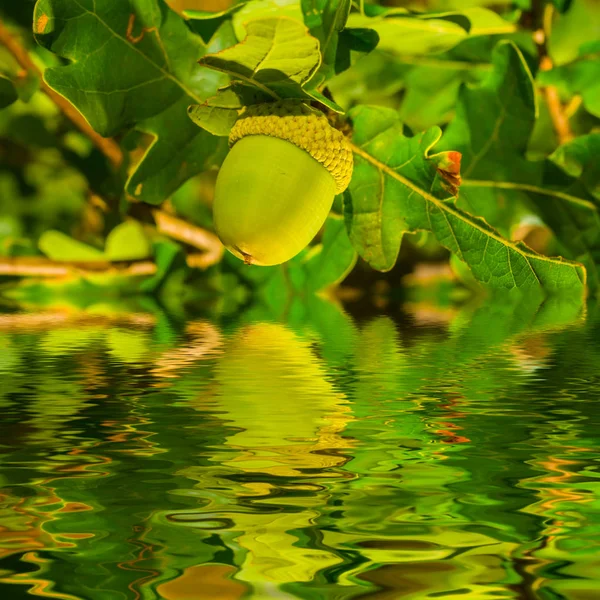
(73, 228)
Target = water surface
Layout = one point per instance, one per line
(429, 454)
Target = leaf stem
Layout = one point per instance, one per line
(107, 146)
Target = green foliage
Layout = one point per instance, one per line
(492, 128)
(313, 271)
(277, 56)
(8, 93)
(219, 113)
(399, 187)
(58, 246)
(151, 89)
(402, 32)
(454, 133)
(326, 19)
(127, 241)
(579, 77)
(206, 23)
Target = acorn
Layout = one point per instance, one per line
(277, 184)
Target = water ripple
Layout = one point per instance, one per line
(320, 458)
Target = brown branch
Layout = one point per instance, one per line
(557, 114)
(560, 120)
(25, 266)
(55, 318)
(194, 236)
(165, 223)
(106, 145)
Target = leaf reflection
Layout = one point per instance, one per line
(320, 457)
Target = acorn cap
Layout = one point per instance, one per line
(306, 128)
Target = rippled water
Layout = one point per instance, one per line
(439, 454)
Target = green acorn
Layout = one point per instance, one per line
(277, 184)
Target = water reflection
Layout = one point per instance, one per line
(320, 457)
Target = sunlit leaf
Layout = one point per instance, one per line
(402, 32)
(127, 241)
(399, 186)
(264, 9)
(219, 113)
(132, 63)
(59, 246)
(277, 56)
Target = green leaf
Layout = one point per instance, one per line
(219, 113)
(278, 57)
(580, 158)
(350, 40)
(581, 76)
(179, 150)
(374, 79)
(571, 176)
(127, 241)
(318, 267)
(168, 256)
(402, 32)
(329, 262)
(578, 26)
(562, 5)
(374, 215)
(492, 128)
(59, 246)
(325, 19)
(206, 23)
(217, 117)
(8, 92)
(399, 187)
(264, 9)
(132, 64)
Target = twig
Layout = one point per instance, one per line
(194, 236)
(24, 266)
(573, 106)
(560, 121)
(55, 318)
(559, 118)
(106, 145)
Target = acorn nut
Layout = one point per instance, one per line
(277, 184)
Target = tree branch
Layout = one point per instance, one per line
(106, 145)
(56, 318)
(25, 266)
(560, 121)
(183, 231)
